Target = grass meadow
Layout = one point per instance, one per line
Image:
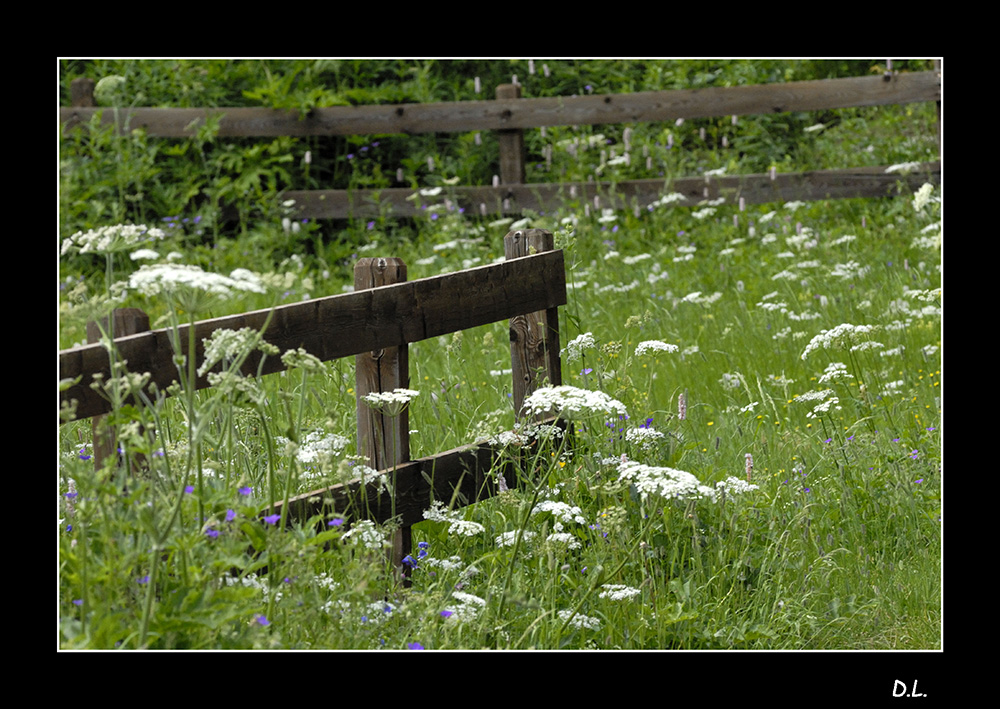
(754, 390)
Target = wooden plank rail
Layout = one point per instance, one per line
(510, 115)
(343, 325)
(513, 198)
(517, 113)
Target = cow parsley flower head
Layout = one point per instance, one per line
(578, 620)
(109, 239)
(366, 533)
(227, 344)
(843, 336)
(663, 482)
(618, 592)
(390, 403)
(572, 403)
(654, 346)
(153, 280)
(574, 350)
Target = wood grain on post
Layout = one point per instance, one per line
(124, 321)
(511, 142)
(383, 439)
(534, 338)
(81, 92)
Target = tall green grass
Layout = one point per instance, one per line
(807, 507)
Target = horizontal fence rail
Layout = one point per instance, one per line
(342, 325)
(510, 114)
(513, 198)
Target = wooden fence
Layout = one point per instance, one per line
(375, 323)
(510, 115)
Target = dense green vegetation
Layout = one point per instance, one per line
(793, 501)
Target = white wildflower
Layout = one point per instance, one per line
(834, 370)
(227, 344)
(572, 402)
(366, 533)
(653, 346)
(174, 278)
(733, 485)
(392, 402)
(644, 437)
(903, 168)
(561, 511)
(841, 336)
(109, 239)
(563, 540)
(301, 359)
(662, 482)
(579, 620)
(507, 539)
(574, 349)
(618, 592)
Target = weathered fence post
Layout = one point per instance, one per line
(124, 321)
(384, 440)
(534, 338)
(81, 91)
(511, 143)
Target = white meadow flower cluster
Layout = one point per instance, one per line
(316, 447)
(572, 402)
(664, 482)
(108, 239)
(508, 539)
(366, 533)
(823, 408)
(563, 541)
(922, 197)
(457, 525)
(851, 269)
(301, 359)
(698, 298)
(842, 336)
(524, 432)
(654, 346)
(643, 436)
(618, 592)
(227, 344)
(667, 199)
(561, 511)
(390, 402)
(167, 278)
(466, 606)
(928, 296)
(574, 349)
(834, 370)
(904, 168)
(578, 620)
(735, 486)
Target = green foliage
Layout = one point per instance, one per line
(839, 547)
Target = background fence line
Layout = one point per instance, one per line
(510, 115)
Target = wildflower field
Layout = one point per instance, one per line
(753, 392)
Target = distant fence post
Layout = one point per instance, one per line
(534, 338)
(124, 321)
(511, 143)
(81, 92)
(384, 440)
